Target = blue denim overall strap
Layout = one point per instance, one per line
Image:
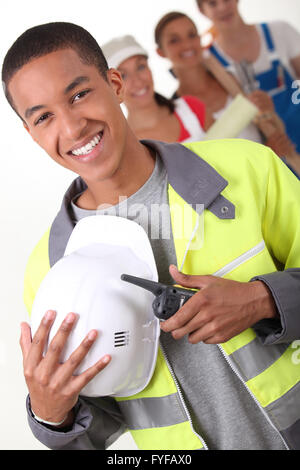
(220, 58)
(277, 82)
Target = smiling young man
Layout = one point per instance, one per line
(77, 120)
(231, 346)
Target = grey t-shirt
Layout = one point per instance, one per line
(222, 410)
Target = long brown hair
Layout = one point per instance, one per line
(163, 101)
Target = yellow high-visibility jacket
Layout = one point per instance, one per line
(251, 231)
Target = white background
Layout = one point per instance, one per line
(32, 186)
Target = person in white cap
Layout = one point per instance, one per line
(150, 114)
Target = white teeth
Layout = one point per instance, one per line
(88, 147)
(141, 92)
(188, 53)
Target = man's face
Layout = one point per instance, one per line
(222, 13)
(73, 113)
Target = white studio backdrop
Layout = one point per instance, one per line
(32, 185)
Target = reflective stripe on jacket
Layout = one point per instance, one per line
(251, 228)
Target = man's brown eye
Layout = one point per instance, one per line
(80, 95)
(42, 119)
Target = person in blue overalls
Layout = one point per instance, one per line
(265, 56)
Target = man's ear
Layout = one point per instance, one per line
(116, 82)
(160, 52)
(26, 127)
(28, 130)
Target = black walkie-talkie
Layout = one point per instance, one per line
(168, 299)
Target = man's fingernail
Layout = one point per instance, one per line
(92, 335)
(49, 316)
(71, 317)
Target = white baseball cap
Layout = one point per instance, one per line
(87, 281)
(119, 49)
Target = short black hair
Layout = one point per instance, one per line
(44, 39)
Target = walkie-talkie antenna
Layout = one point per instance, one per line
(151, 286)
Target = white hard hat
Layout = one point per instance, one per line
(87, 281)
(120, 49)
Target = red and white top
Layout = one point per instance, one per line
(190, 112)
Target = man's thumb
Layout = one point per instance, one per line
(187, 280)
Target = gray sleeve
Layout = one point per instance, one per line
(98, 423)
(285, 289)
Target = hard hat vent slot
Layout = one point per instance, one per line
(121, 339)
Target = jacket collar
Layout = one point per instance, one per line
(194, 179)
(189, 175)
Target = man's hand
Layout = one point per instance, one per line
(262, 100)
(52, 386)
(220, 310)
